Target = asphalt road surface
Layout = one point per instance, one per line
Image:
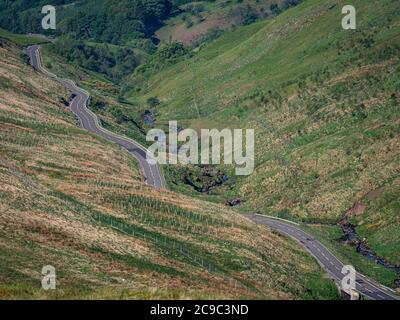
(88, 121)
(326, 259)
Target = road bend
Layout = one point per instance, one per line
(89, 121)
(325, 258)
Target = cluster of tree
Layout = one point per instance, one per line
(120, 115)
(116, 21)
(243, 15)
(22, 16)
(153, 102)
(165, 56)
(178, 3)
(113, 61)
(108, 21)
(130, 23)
(194, 8)
(290, 3)
(286, 4)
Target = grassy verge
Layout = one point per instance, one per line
(114, 113)
(21, 40)
(330, 237)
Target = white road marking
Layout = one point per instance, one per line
(85, 113)
(280, 227)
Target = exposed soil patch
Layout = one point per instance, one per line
(375, 193)
(356, 210)
(180, 33)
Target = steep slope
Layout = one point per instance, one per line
(114, 112)
(324, 103)
(74, 201)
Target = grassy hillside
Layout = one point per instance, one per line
(200, 20)
(22, 40)
(137, 22)
(74, 201)
(114, 112)
(324, 103)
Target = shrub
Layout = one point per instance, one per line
(153, 102)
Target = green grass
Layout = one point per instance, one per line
(189, 28)
(21, 40)
(116, 112)
(321, 145)
(324, 105)
(330, 237)
(380, 223)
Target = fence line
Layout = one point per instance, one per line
(169, 244)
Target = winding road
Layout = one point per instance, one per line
(153, 177)
(325, 258)
(88, 120)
